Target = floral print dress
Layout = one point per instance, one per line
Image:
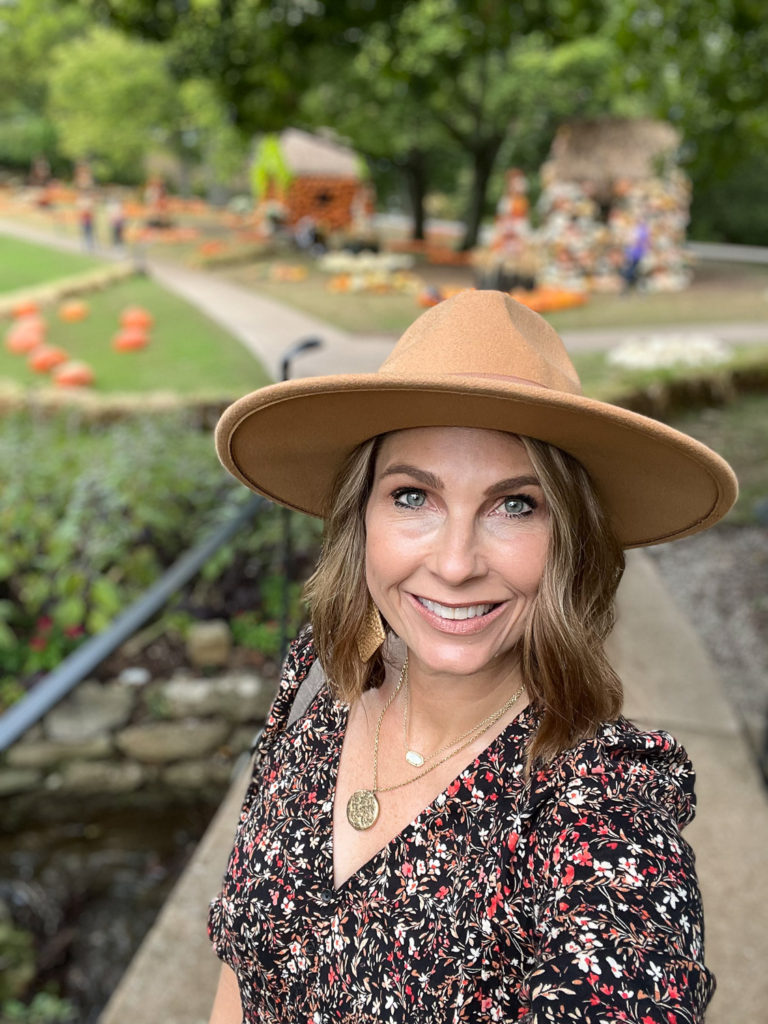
(567, 896)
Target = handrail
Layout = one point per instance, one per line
(57, 684)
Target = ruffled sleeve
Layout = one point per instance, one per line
(617, 910)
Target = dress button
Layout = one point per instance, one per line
(326, 896)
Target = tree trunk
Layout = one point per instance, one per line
(415, 170)
(483, 159)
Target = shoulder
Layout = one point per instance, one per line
(299, 660)
(621, 765)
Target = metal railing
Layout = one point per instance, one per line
(66, 676)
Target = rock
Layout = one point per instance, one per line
(134, 675)
(197, 774)
(241, 697)
(209, 643)
(45, 755)
(100, 777)
(18, 780)
(91, 710)
(160, 742)
(243, 739)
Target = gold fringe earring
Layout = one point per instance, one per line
(371, 634)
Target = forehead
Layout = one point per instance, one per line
(462, 447)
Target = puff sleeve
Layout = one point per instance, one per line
(616, 904)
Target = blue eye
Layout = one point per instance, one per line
(517, 506)
(409, 498)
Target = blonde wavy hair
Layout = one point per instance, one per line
(562, 657)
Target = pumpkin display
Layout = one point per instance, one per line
(25, 334)
(43, 358)
(73, 374)
(130, 339)
(135, 316)
(73, 312)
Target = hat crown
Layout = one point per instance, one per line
(484, 334)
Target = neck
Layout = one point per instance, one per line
(443, 705)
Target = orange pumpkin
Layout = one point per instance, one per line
(73, 375)
(135, 316)
(130, 339)
(25, 307)
(45, 357)
(25, 334)
(74, 311)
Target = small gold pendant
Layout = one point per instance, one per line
(414, 757)
(362, 809)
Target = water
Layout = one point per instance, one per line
(89, 888)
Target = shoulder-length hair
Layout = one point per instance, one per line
(561, 653)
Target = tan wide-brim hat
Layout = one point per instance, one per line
(483, 360)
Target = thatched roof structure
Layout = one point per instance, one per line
(316, 156)
(604, 151)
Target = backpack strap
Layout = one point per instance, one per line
(308, 689)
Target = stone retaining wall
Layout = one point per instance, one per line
(171, 740)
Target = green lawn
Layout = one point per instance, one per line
(188, 353)
(23, 265)
(720, 293)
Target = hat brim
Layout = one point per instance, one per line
(289, 441)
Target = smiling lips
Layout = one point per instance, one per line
(466, 618)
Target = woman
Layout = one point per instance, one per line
(448, 819)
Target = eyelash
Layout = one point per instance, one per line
(530, 501)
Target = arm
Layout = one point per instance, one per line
(226, 1005)
(615, 901)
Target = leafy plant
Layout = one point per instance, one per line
(45, 1008)
(90, 517)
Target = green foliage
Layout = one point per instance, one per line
(17, 956)
(269, 166)
(25, 136)
(90, 517)
(111, 99)
(45, 1008)
(206, 134)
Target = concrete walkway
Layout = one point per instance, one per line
(670, 683)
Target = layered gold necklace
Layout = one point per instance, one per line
(363, 805)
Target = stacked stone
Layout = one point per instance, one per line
(169, 737)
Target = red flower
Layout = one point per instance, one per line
(38, 643)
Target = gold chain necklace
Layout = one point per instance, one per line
(417, 760)
(363, 805)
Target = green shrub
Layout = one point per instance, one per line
(90, 516)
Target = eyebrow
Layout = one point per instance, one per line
(508, 485)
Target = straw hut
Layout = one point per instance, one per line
(606, 184)
(311, 177)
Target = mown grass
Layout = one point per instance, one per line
(720, 293)
(187, 354)
(23, 264)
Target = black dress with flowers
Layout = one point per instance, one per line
(568, 896)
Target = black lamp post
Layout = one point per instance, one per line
(286, 554)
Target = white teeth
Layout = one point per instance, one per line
(468, 611)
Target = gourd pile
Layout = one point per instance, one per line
(583, 244)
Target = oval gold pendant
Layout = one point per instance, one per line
(362, 809)
(414, 757)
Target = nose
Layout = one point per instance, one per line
(457, 554)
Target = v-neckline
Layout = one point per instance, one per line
(341, 710)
